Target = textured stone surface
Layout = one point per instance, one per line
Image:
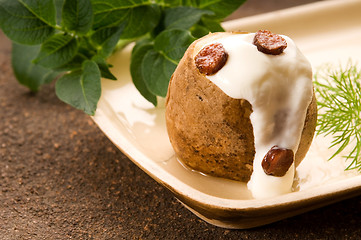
(61, 178)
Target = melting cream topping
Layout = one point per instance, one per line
(279, 87)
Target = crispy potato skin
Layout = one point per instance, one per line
(210, 131)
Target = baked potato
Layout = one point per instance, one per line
(212, 132)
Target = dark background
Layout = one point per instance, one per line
(61, 178)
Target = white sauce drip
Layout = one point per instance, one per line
(279, 87)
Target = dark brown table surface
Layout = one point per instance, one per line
(61, 178)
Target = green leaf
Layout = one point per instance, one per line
(169, 3)
(27, 73)
(81, 89)
(199, 31)
(183, 17)
(211, 24)
(27, 22)
(176, 3)
(205, 26)
(138, 54)
(59, 9)
(156, 72)
(140, 20)
(141, 42)
(104, 68)
(221, 8)
(173, 43)
(106, 39)
(110, 13)
(87, 47)
(139, 17)
(159, 64)
(74, 64)
(77, 16)
(57, 50)
(85, 52)
(42, 9)
(92, 29)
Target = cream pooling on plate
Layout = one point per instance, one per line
(279, 88)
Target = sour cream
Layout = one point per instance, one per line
(279, 87)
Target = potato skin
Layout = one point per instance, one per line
(308, 131)
(210, 131)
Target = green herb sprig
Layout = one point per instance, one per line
(339, 99)
(72, 39)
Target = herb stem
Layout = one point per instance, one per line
(339, 96)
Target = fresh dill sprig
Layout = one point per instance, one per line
(338, 93)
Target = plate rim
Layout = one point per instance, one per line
(201, 202)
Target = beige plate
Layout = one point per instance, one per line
(325, 31)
